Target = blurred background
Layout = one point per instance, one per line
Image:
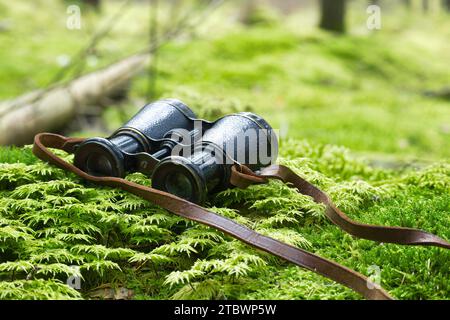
(373, 76)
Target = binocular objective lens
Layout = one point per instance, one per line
(99, 165)
(179, 184)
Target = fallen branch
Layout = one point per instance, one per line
(51, 109)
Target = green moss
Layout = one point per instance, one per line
(51, 220)
(338, 101)
(363, 92)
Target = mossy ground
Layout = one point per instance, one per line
(361, 91)
(52, 220)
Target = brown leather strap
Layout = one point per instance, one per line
(191, 211)
(243, 177)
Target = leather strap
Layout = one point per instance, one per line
(243, 177)
(191, 211)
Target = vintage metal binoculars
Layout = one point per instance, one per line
(185, 156)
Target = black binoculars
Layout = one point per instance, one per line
(185, 156)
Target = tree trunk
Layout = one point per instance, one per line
(92, 3)
(407, 3)
(247, 11)
(52, 109)
(425, 6)
(333, 15)
(446, 4)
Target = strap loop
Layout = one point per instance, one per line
(399, 235)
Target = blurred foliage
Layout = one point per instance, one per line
(366, 90)
(366, 93)
(331, 97)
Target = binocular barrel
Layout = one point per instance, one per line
(146, 144)
(146, 132)
(243, 138)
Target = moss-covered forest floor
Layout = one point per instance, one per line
(355, 115)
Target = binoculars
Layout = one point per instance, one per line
(184, 155)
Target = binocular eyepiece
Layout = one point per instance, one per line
(137, 145)
(186, 156)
